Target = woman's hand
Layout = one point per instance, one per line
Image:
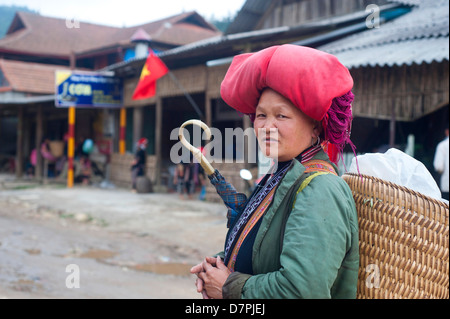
(196, 270)
(213, 277)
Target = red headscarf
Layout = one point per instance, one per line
(311, 79)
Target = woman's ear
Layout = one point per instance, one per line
(317, 129)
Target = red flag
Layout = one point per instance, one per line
(153, 69)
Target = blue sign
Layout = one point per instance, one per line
(87, 89)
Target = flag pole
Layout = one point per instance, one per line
(187, 95)
(172, 76)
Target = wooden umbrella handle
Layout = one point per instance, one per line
(195, 151)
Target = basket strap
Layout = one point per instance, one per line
(317, 168)
(306, 183)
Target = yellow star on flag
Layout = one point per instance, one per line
(145, 72)
(146, 86)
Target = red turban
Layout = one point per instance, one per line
(309, 78)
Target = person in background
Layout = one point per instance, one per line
(61, 163)
(46, 152)
(178, 179)
(190, 179)
(79, 151)
(84, 173)
(202, 182)
(139, 162)
(31, 164)
(441, 164)
(48, 157)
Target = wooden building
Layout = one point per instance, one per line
(400, 67)
(200, 68)
(401, 73)
(35, 46)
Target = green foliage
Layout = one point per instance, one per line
(222, 23)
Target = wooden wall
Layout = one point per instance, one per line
(196, 79)
(411, 91)
(290, 13)
(120, 169)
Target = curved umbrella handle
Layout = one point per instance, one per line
(195, 151)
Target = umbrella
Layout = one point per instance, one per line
(234, 200)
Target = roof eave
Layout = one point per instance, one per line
(37, 54)
(29, 99)
(202, 50)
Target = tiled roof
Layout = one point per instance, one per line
(51, 37)
(39, 35)
(176, 30)
(30, 77)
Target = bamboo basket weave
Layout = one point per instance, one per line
(403, 241)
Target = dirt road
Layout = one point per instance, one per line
(112, 243)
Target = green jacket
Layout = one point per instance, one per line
(316, 255)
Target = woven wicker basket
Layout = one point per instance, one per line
(404, 242)
(57, 148)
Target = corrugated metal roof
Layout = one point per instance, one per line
(226, 38)
(227, 41)
(313, 33)
(408, 2)
(417, 37)
(397, 53)
(302, 29)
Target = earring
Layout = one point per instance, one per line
(317, 143)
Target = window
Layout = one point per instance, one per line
(3, 80)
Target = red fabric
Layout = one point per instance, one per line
(153, 69)
(309, 78)
(332, 151)
(142, 141)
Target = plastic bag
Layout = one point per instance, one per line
(399, 168)
(88, 146)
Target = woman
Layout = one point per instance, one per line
(178, 179)
(46, 152)
(139, 162)
(298, 235)
(85, 171)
